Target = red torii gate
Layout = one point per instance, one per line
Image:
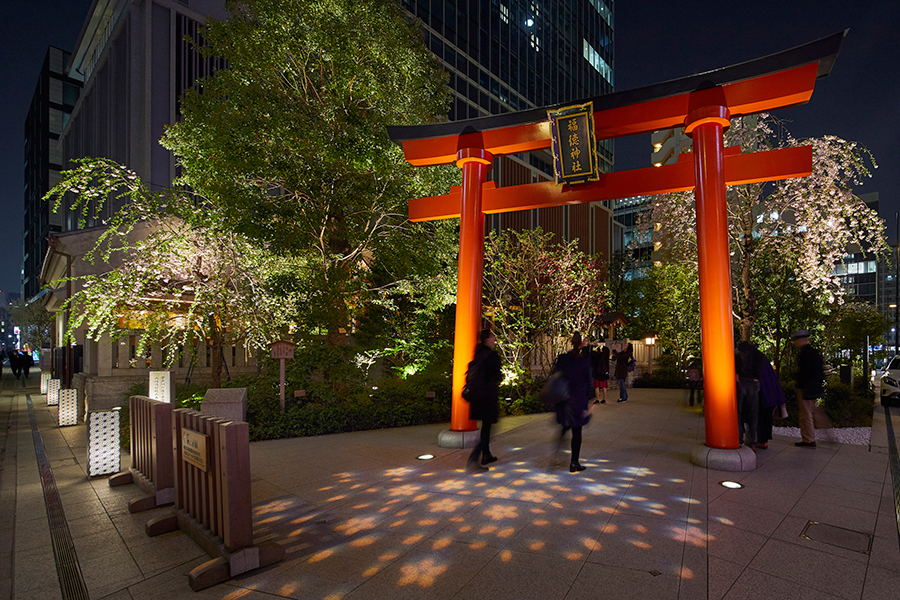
(703, 104)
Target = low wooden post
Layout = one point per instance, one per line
(152, 460)
(212, 497)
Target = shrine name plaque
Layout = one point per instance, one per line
(193, 448)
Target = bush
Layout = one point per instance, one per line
(848, 407)
(661, 378)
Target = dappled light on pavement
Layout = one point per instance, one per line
(413, 527)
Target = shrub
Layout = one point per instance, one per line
(848, 407)
(665, 377)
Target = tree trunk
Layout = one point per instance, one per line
(216, 351)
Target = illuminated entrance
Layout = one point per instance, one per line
(702, 104)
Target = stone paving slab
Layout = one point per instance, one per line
(360, 517)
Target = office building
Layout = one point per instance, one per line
(511, 55)
(54, 99)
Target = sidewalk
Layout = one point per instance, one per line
(361, 518)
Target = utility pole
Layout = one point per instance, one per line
(897, 286)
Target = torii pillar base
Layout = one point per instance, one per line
(449, 438)
(737, 459)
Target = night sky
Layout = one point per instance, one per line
(654, 41)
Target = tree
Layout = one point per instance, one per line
(852, 326)
(804, 224)
(290, 139)
(34, 323)
(537, 292)
(172, 269)
(673, 307)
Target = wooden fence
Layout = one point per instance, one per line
(212, 497)
(152, 457)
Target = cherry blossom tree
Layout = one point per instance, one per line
(170, 268)
(537, 292)
(798, 228)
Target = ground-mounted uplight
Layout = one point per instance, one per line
(731, 485)
(425, 456)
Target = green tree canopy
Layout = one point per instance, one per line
(291, 139)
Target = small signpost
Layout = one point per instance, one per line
(161, 387)
(282, 350)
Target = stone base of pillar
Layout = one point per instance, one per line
(739, 459)
(458, 439)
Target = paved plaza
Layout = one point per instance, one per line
(361, 518)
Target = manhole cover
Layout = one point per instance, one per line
(838, 536)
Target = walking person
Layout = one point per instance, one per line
(600, 371)
(695, 383)
(483, 392)
(14, 364)
(26, 363)
(748, 365)
(629, 351)
(622, 373)
(574, 413)
(810, 386)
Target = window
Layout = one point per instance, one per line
(593, 57)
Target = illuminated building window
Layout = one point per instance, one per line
(596, 61)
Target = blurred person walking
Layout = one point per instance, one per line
(810, 386)
(482, 392)
(621, 373)
(574, 413)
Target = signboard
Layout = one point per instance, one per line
(193, 448)
(161, 386)
(574, 144)
(282, 349)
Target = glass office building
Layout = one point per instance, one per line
(510, 55)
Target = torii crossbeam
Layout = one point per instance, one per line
(703, 104)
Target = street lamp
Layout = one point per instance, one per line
(650, 341)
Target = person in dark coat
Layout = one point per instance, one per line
(485, 405)
(748, 364)
(14, 364)
(771, 397)
(575, 413)
(600, 372)
(810, 386)
(25, 362)
(622, 358)
(695, 383)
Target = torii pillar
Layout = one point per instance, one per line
(703, 104)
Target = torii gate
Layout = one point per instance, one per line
(703, 104)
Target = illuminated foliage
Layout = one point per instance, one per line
(171, 268)
(291, 141)
(537, 292)
(34, 323)
(787, 232)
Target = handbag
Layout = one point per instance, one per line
(780, 411)
(556, 390)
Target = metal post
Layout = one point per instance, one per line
(706, 126)
(897, 286)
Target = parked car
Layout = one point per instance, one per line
(890, 382)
